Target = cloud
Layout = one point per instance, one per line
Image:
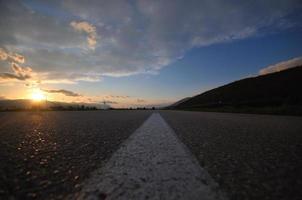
(19, 73)
(17, 58)
(3, 54)
(109, 102)
(11, 56)
(68, 78)
(38, 77)
(138, 37)
(64, 92)
(294, 62)
(117, 96)
(87, 28)
(141, 100)
(9, 76)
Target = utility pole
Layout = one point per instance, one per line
(46, 102)
(104, 102)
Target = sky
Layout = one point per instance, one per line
(141, 52)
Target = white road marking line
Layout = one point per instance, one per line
(151, 164)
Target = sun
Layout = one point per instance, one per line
(37, 95)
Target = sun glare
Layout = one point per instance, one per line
(37, 95)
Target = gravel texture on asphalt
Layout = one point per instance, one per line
(250, 156)
(46, 155)
(151, 164)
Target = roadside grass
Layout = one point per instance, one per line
(273, 110)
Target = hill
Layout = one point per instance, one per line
(278, 93)
(174, 105)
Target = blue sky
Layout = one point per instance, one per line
(208, 67)
(136, 53)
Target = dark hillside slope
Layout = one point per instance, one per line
(178, 102)
(272, 90)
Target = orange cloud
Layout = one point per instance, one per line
(87, 28)
(3, 54)
(17, 58)
(12, 56)
(282, 66)
(19, 73)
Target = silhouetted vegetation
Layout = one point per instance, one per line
(28, 105)
(276, 93)
(82, 107)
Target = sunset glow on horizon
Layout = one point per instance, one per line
(38, 95)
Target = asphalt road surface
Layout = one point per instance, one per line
(250, 156)
(50, 155)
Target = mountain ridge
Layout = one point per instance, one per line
(272, 90)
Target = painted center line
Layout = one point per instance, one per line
(151, 164)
